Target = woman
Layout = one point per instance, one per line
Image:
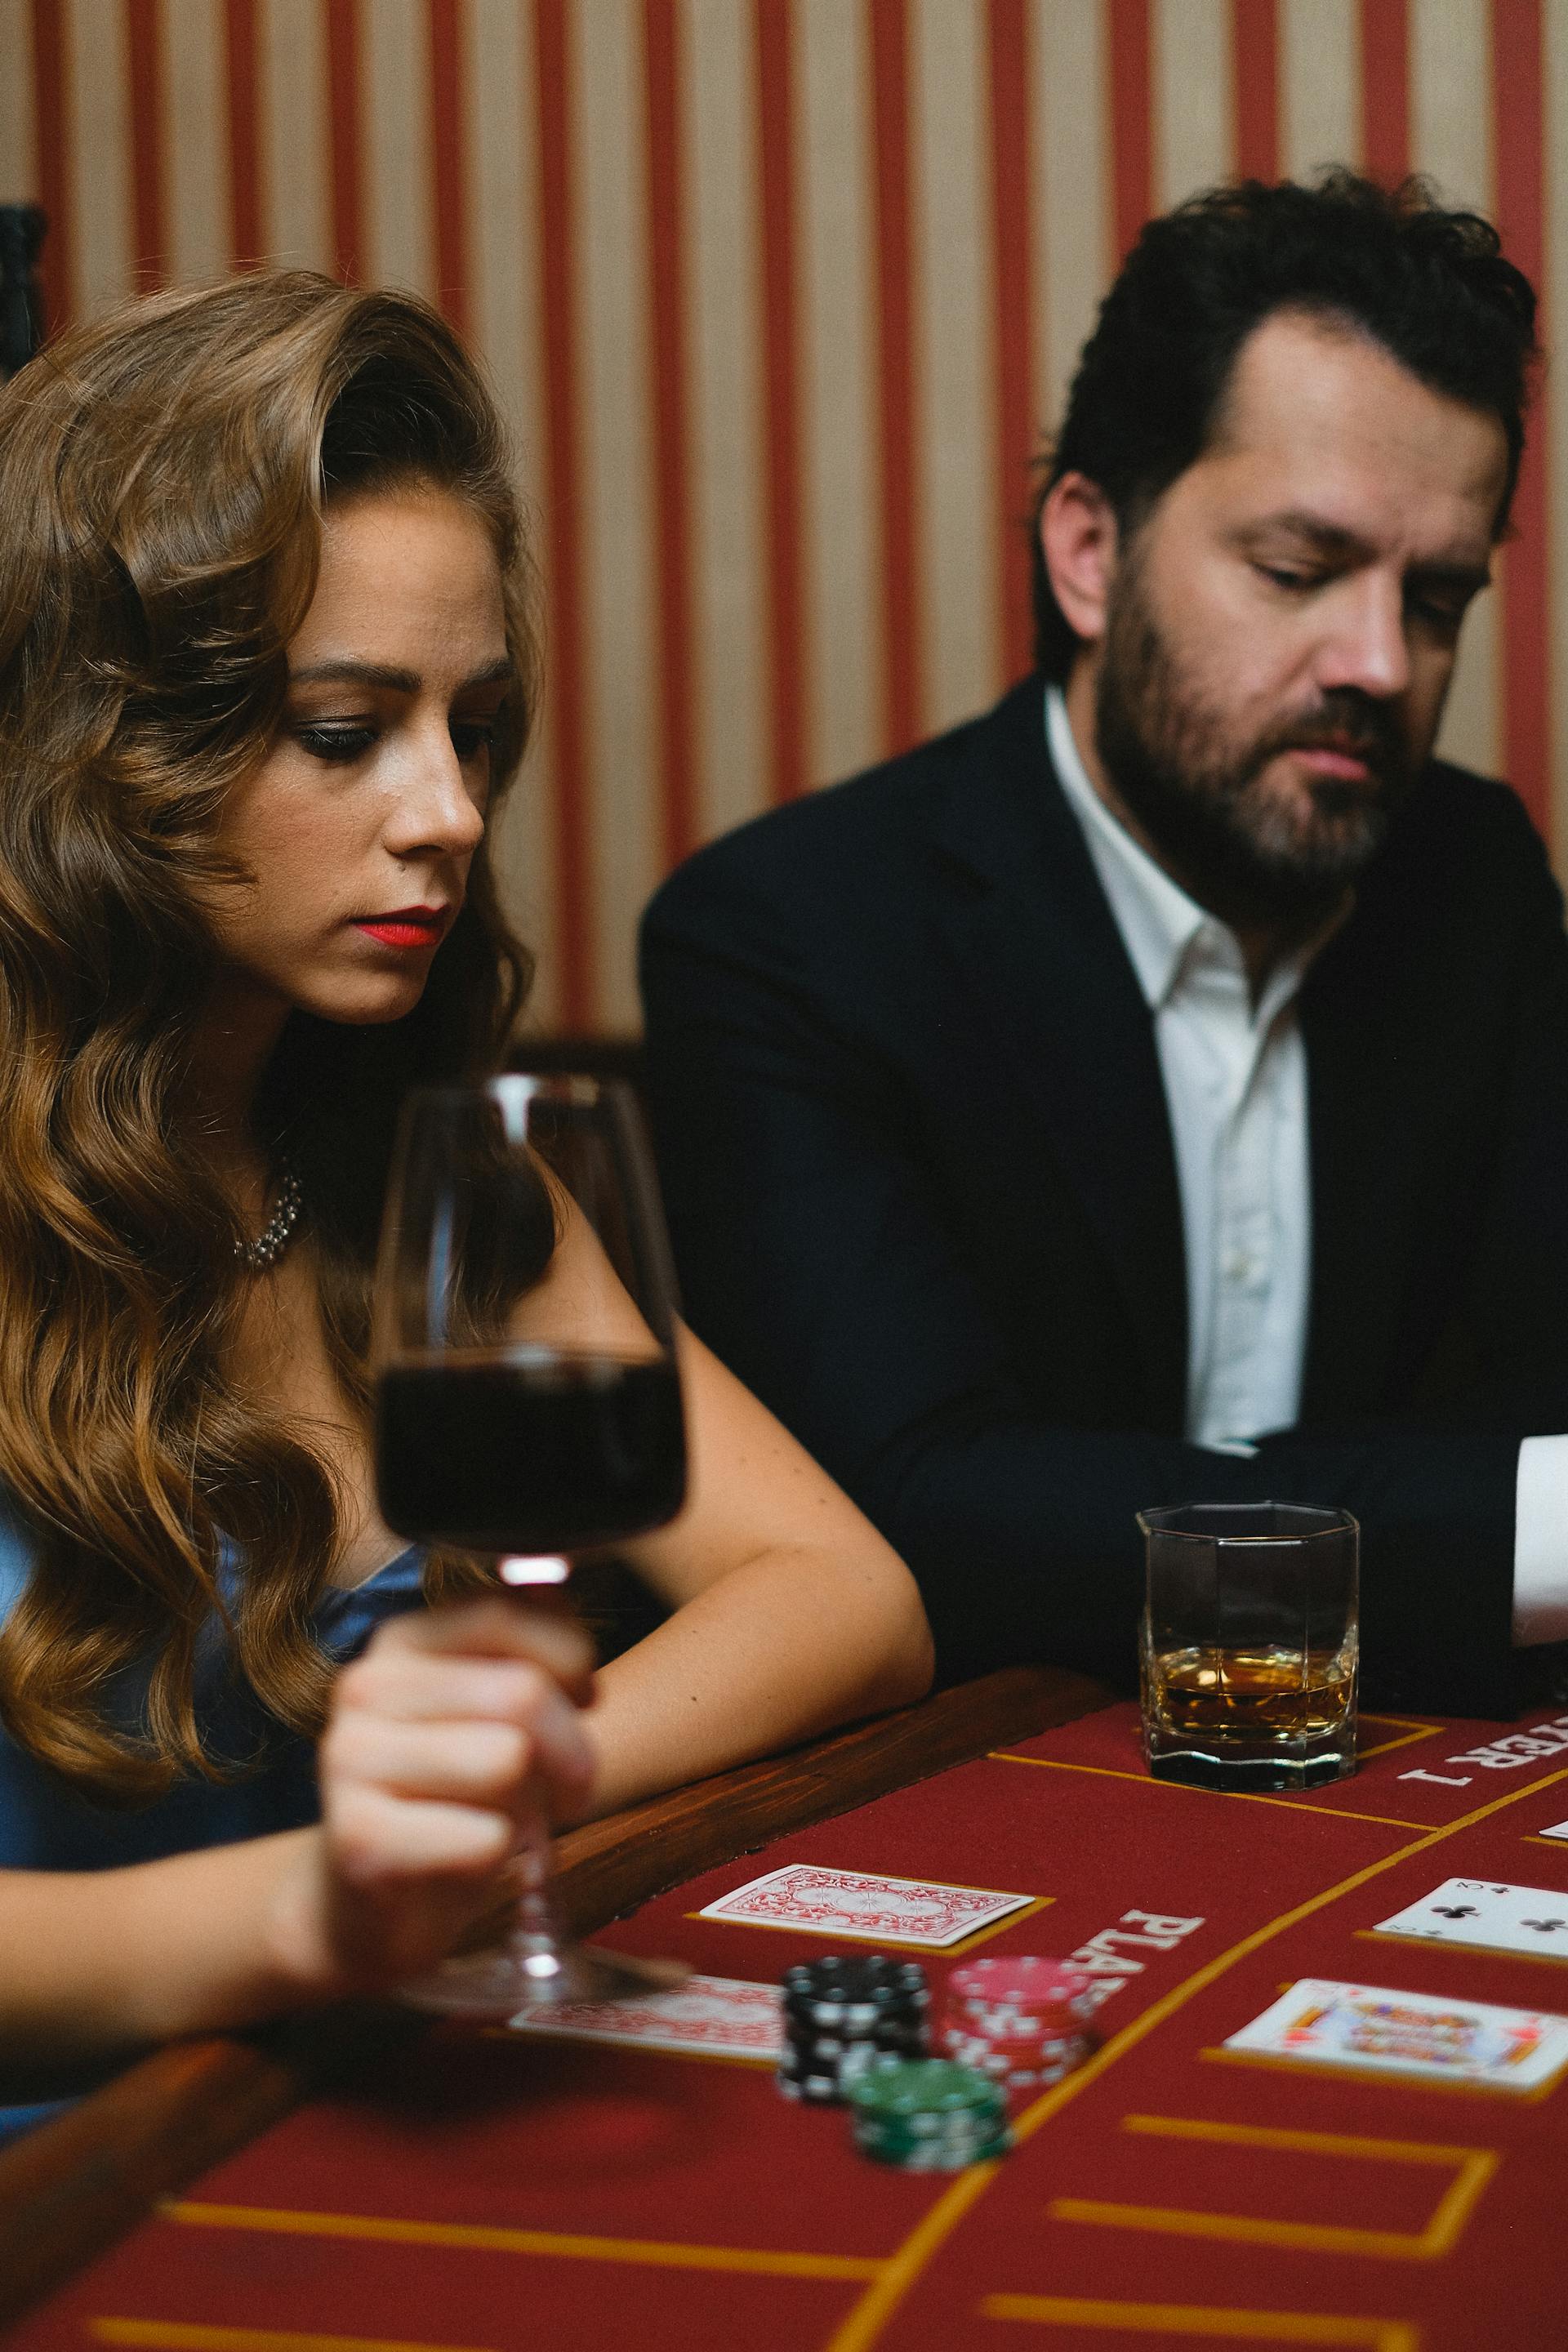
(265, 675)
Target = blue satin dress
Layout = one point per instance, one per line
(47, 1825)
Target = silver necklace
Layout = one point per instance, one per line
(264, 1252)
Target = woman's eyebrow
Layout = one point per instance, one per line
(396, 682)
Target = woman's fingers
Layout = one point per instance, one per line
(457, 1732)
(468, 1759)
(495, 1627)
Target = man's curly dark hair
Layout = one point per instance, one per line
(1431, 286)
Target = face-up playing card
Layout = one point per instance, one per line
(1558, 1830)
(1373, 2030)
(1492, 1917)
(723, 2017)
(864, 1906)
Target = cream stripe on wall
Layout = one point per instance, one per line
(618, 511)
(502, 208)
(1193, 104)
(955, 359)
(838, 335)
(100, 151)
(18, 164)
(395, 132)
(197, 161)
(727, 452)
(1071, 177)
(1554, 419)
(1318, 74)
(1450, 137)
(291, 98)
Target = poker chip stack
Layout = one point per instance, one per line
(928, 2114)
(1021, 2023)
(839, 2014)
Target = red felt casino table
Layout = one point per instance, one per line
(466, 2189)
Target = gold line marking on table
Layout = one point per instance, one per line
(1320, 2327)
(1413, 1732)
(184, 2335)
(480, 2237)
(1237, 1796)
(899, 2273)
(1453, 1944)
(870, 1936)
(1346, 2070)
(1472, 2167)
(1531, 1837)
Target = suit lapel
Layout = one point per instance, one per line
(1060, 1008)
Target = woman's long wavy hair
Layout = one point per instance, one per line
(163, 474)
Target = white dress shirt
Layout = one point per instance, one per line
(1236, 1085)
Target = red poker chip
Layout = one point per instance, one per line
(1025, 1983)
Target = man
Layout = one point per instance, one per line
(1157, 1089)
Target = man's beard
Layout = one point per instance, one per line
(1248, 857)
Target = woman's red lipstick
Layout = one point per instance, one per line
(409, 926)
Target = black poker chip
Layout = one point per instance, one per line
(841, 2013)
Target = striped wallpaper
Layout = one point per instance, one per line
(779, 295)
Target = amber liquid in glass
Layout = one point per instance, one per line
(1261, 1718)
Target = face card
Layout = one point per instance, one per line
(723, 2017)
(1489, 1917)
(1373, 2030)
(863, 1906)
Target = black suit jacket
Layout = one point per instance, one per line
(919, 1167)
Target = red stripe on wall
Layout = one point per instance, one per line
(666, 291)
(57, 258)
(1384, 90)
(890, 141)
(775, 113)
(144, 54)
(1255, 38)
(248, 242)
(343, 124)
(447, 42)
(558, 330)
(1015, 425)
(1132, 121)
(1519, 100)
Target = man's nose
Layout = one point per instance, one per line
(435, 810)
(1364, 645)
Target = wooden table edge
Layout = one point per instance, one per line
(74, 2186)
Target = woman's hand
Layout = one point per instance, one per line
(456, 1735)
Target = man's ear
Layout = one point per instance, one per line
(1078, 540)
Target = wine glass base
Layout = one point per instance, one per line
(499, 1982)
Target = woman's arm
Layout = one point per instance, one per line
(450, 1732)
(792, 1615)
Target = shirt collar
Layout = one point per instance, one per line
(1167, 934)
(1157, 920)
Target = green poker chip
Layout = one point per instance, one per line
(925, 2087)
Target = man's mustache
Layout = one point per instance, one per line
(1346, 722)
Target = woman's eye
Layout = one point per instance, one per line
(472, 736)
(341, 743)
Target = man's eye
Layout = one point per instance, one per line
(340, 743)
(472, 736)
(1290, 576)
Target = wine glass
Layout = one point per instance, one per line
(527, 1400)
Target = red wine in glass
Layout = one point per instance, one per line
(527, 1398)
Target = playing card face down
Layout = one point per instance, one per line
(1487, 1915)
(865, 1906)
(718, 2017)
(1372, 2029)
